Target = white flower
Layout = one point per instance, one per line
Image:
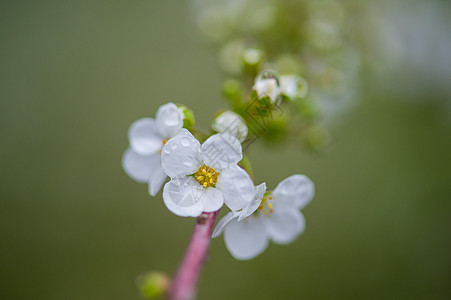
(142, 160)
(267, 85)
(231, 123)
(293, 86)
(204, 177)
(271, 216)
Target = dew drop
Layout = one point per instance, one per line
(174, 146)
(185, 142)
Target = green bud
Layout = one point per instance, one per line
(231, 88)
(232, 91)
(188, 116)
(154, 284)
(252, 59)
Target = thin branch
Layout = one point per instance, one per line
(184, 284)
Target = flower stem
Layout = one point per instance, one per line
(184, 284)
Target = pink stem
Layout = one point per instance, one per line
(184, 284)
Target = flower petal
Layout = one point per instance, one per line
(221, 151)
(156, 179)
(267, 85)
(297, 190)
(144, 136)
(222, 223)
(245, 239)
(284, 224)
(212, 199)
(182, 197)
(237, 187)
(231, 123)
(181, 155)
(139, 167)
(169, 119)
(249, 210)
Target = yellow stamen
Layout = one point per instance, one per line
(206, 176)
(265, 207)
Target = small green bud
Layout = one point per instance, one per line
(231, 88)
(252, 59)
(188, 116)
(232, 91)
(154, 284)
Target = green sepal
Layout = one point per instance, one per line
(188, 116)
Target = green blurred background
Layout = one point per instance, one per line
(75, 74)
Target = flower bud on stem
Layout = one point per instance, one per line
(183, 286)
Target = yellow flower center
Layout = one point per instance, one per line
(164, 141)
(206, 176)
(266, 206)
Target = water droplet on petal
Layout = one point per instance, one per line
(185, 142)
(174, 146)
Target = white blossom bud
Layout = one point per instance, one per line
(232, 123)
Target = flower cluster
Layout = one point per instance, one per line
(205, 176)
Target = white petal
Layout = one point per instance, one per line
(237, 187)
(221, 151)
(249, 210)
(156, 180)
(212, 199)
(297, 190)
(144, 136)
(223, 222)
(284, 224)
(139, 167)
(181, 155)
(182, 197)
(231, 123)
(169, 119)
(267, 87)
(245, 239)
(293, 86)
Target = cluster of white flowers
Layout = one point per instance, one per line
(205, 176)
(269, 84)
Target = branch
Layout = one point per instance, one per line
(184, 285)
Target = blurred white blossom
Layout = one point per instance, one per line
(142, 160)
(270, 216)
(231, 123)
